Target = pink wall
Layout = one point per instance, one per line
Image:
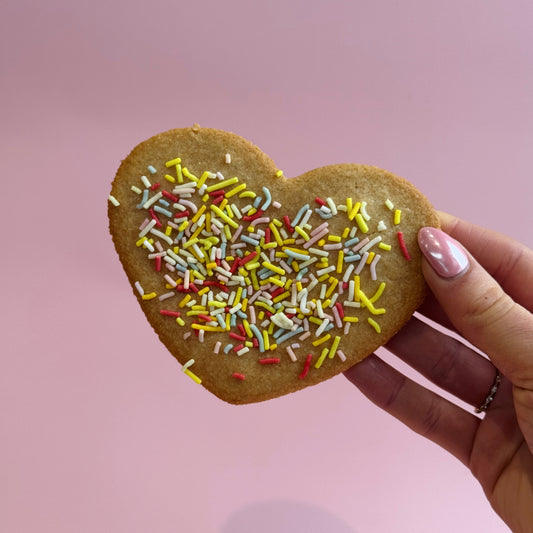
(100, 430)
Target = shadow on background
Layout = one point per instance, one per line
(284, 516)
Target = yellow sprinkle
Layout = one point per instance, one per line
(357, 287)
(301, 232)
(269, 245)
(368, 304)
(274, 268)
(349, 205)
(247, 194)
(374, 324)
(275, 281)
(334, 282)
(202, 179)
(246, 325)
(370, 257)
(320, 360)
(345, 233)
(273, 347)
(315, 320)
(334, 238)
(222, 184)
(321, 242)
(183, 225)
(266, 340)
(170, 178)
(168, 230)
(214, 303)
(379, 292)
(275, 232)
(384, 246)
(354, 212)
(277, 222)
(261, 315)
(361, 223)
(223, 205)
(224, 217)
(279, 173)
(180, 321)
(140, 242)
(244, 305)
(206, 328)
(265, 306)
(228, 319)
(289, 241)
(185, 300)
(340, 260)
(236, 190)
(251, 265)
(350, 319)
(205, 197)
(187, 174)
(210, 266)
(173, 162)
(321, 340)
(397, 216)
(248, 344)
(179, 173)
(288, 284)
(149, 296)
(255, 284)
(193, 376)
(227, 232)
(334, 346)
(190, 242)
(281, 297)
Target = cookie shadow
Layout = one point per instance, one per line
(284, 516)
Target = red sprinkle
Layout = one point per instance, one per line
(254, 216)
(237, 375)
(238, 347)
(248, 258)
(166, 312)
(306, 366)
(181, 214)
(155, 186)
(218, 199)
(277, 292)
(205, 318)
(255, 342)
(267, 235)
(269, 360)
(170, 196)
(158, 263)
(403, 247)
(237, 337)
(234, 265)
(218, 192)
(319, 201)
(241, 329)
(154, 216)
(340, 310)
(287, 223)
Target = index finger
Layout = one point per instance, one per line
(508, 261)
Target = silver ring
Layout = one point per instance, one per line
(488, 400)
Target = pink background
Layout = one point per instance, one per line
(100, 429)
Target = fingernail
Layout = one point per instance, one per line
(443, 253)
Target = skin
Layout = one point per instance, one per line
(490, 305)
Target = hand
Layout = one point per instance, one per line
(485, 295)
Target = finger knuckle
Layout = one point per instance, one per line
(431, 419)
(487, 308)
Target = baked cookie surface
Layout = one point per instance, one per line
(257, 284)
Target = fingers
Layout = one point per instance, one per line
(477, 305)
(420, 409)
(444, 361)
(506, 260)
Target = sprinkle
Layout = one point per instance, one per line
(403, 246)
(113, 200)
(140, 290)
(322, 357)
(382, 226)
(341, 355)
(227, 159)
(239, 376)
(374, 324)
(307, 365)
(397, 216)
(146, 182)
(151, 169)
(389, 204)
(217, 347)
(269, 360)
(361, 223)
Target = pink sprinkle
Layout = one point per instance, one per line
(238, 375)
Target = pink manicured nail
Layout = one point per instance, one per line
(444, 254)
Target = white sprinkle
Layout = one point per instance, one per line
(291, 354)
(186, 279)
(151, 169)
(347, 328)
(341, 355)
(217, 347)
(140, 290)
(147, 228)
(382, 226)
(319, 309)
(373, 274)
(332, 206)
(188, 364)
(369, 245)
(244, 350)
(277, 205)
(389, 204)
(361, 264)
(305, 335)
(322, 327)
(186, 335)
(136, 190)
(351, 290)
(282, 320)
(366, 216)
(152, 200)
(113, 200)
(228, 159)
(146, 182)
(166, 296)
(201, 334)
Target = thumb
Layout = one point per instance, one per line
(478, 307)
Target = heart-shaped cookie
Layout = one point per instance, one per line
(257, 284)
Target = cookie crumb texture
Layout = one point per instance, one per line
(257, 284)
